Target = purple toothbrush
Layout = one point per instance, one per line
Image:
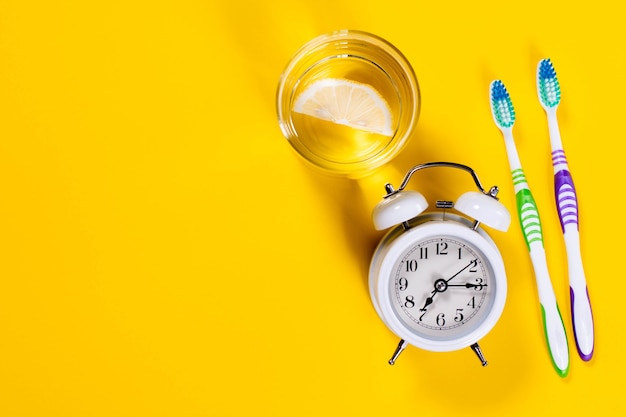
(549, 93)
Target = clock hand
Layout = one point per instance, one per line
(429, 300)
(467, 285)
(464, 268)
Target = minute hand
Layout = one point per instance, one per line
(464, 268)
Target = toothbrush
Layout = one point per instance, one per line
(504, 117)
(549, 93)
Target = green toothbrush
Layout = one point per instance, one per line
(504, 116)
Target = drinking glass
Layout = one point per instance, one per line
(348, 102)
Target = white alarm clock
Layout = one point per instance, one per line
(437, 280)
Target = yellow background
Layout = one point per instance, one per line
(163, 252)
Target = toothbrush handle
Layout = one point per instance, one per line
(567, 207)
(552, 321)
(582, 317)
(551, 315)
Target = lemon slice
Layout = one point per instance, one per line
(347, 103)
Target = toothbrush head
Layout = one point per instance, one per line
(501, 105)
(548, 85)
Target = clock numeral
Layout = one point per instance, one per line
(442, 248)
(409, 301)
(423, 253)
(460, 253)
(472, 302)
(403, 284)
(474, 266)
(411, 265)
(459, 315)
(422, 316)
(479, 284)
(441, 319)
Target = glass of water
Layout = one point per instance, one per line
(348, 102)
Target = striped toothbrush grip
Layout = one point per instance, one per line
(527, 209)
(567, 207)
(564, 191)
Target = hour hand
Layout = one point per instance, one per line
(429, 301)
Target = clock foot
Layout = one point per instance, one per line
(479, 353)
(401, 346)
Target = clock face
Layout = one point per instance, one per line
(442, 287)
(439, 285)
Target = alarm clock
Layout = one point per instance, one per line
(437, 280)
